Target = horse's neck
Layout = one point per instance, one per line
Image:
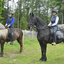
(40, 23)
(1, 26)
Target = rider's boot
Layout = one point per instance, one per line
(11, 38)
(11, 43)
(54, 43)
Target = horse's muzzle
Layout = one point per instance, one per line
(30, 27)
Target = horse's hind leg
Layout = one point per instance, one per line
(2, 46)
(20, 40)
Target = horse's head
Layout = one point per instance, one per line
(32, 21)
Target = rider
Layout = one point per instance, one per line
(54, 25)
(10, 24)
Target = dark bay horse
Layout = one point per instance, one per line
(17, 35)
(43, 34)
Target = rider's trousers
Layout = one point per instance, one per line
(11, 34)
(54, 33)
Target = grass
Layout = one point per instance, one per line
(31, 53)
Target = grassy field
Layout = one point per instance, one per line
(31, 53)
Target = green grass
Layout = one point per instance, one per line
(31, 53)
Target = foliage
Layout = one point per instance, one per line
(41, 8)
(1, 8)
(23, 23)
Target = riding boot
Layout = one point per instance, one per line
(54, 43)
(11, 36)
(11, 40)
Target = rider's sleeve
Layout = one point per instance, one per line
(12, 21)
(49, 23)
(7, 21)
(56, 21)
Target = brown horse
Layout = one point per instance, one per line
(17, 35)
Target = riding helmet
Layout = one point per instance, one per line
(11, 12)
(55, 11)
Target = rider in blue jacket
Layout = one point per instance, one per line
(54, 25)
(10, 24)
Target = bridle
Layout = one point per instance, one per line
(32, 26)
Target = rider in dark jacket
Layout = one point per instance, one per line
(10, 24)
(54, 25)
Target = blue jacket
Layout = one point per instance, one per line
(10, 21)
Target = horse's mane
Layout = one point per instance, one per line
(1, 26)
(40, 20)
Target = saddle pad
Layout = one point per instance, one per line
(59, 34)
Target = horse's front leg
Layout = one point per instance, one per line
(43, 50)
(2, 46)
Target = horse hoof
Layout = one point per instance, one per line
(43, 60)
(1, 56)
(19, 52)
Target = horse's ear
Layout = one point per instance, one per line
(32, 14)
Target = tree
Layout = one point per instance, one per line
(1, 9)
(24, 23)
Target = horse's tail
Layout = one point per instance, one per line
(22, 40)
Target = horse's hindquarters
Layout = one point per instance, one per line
(15, 35)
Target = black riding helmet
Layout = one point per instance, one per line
(55, 11)
(11, 13)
